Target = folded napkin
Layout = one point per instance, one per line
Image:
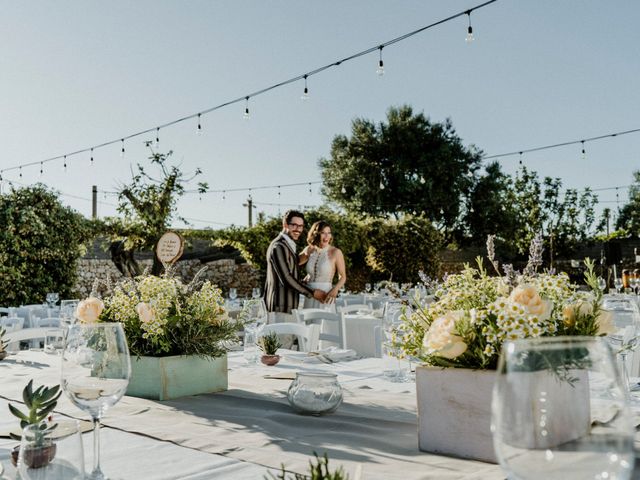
(334, 354)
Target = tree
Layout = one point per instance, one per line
(148, 205)
(40, 241)
(489, 210)
(629, 214)
(405, 165)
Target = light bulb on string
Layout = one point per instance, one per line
(20, 172)
(584, 152)
(157, 136)
(246, 115)
(305, 92)
(470, 38)
(41, 169)
(65, 163)
(279, 196)
(310, 192)
(380, 69)
(92, 156)
(520, 160)
(122, 148)
(224, 195)
(199, 129)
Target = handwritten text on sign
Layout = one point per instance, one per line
(169, 247)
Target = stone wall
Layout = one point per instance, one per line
(224, 273)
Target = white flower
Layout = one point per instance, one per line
(440, 339)
(145, 312)
(89, 309)
(527, 296)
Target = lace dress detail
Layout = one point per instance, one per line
(321, 272)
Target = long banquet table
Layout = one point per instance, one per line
(244, 432)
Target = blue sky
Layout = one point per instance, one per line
(80, 73)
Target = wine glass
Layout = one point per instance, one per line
(52, 299)
(254, 311)
(95, 373)
(618, 284)
(560, 410)
(51, 453)
(233, 294)
(367, 287)
(626, 321)
(256, 293)
(602, 284)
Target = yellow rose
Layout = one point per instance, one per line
(89, 310)
(527, 296)
(605, 323)
(145, 312)
(440, 339)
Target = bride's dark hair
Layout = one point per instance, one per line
(313, 237)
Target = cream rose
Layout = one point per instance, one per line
(145, 312)
(89, 310)
(440, 339)
(527, 296)
(582, 307)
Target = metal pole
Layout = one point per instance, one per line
(94, 202)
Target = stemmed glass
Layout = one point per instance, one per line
(95, 373)
(256, 293)
(626, 321)
(618, 284)
(367, 287)
(233, 294)
(52, 299)
(560, 411)
(254, 315)
(391, 322)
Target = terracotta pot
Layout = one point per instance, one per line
(270, 360)
(35, 457)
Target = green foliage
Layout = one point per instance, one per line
(402, 248)
(317, 471)
(423, 167)
(40, 241)
(629, 214)
(40, 403)
(269, 344)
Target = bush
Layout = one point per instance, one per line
(40, 241)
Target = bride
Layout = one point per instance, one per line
(323, 260)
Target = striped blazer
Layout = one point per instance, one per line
(283, 286)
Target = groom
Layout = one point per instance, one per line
(283, 286)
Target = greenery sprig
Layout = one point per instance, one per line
(317, 471)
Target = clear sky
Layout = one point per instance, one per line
(79, 73)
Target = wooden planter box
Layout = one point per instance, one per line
(164, 378)
(454, 409)
(454, 412)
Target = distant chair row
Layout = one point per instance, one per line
(12, 324)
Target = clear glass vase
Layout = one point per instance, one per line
(315, 393)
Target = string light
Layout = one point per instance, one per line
(279, 193)
(92, 156)
(305, 93)
(584, 152)
(224, 195)
(122, 148)
(65, 163)
(157, 136)
(310, 191)
(41, 169)
(380, 69)
(470, 37)
(20, 170)
(520, 160)
(246, 115)
(199, 130)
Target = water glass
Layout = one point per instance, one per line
(233, 293)
(250, 347)
(393, 368)
(52, 298)
(560, 410)
(51, 454)
(256, 293)
(54, 341)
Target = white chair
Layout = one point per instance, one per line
(300, 312)
(351, 299)
(29, 334)
(356, 307)
(12, 324)
(331, 326)
(308, 335)
(47, 322)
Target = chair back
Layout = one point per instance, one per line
(356, 307)
(12, 324)
(298, 313)
(47, 322)
(351, 299)
(331, 325)
(308, 335)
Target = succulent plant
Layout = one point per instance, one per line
(269, 344)
(40, 403)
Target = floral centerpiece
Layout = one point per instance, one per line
(474, 313)
(175, 330)
(162, 316)
(458, 337)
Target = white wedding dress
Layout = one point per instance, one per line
(321, 271)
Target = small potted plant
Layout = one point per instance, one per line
(40, 403)
(3, 345)
(269, 344)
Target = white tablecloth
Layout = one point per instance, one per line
(251, 426)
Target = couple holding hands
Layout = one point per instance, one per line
(321, 260)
